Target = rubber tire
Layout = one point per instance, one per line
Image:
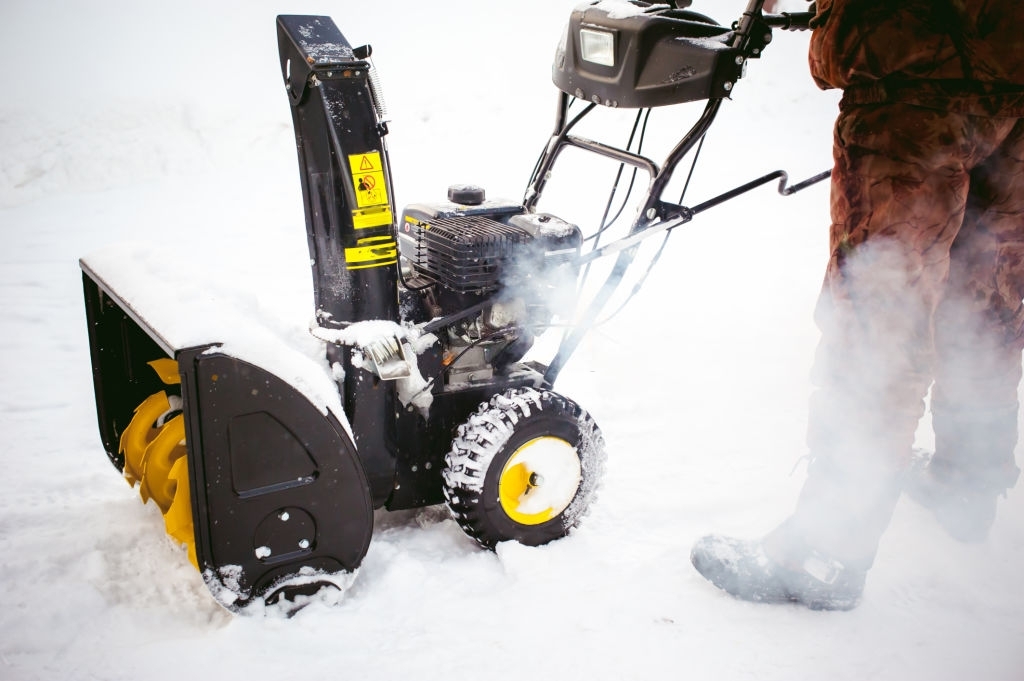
(490, 437)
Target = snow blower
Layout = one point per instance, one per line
(426, 320)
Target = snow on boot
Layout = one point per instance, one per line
(743, 569)
(820, 555)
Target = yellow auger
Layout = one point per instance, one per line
(154, 451)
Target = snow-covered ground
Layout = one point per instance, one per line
(126, 121)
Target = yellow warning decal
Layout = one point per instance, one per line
(368, 179)
(372, 217)
(373, 251)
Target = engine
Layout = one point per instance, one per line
(491, 275)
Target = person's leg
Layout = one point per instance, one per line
(978, 340)
(899, 186)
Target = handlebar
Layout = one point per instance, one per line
(789, 21)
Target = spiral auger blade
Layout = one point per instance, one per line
(155, 457)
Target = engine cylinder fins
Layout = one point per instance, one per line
(154, 450)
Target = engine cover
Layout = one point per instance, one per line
(481, 249)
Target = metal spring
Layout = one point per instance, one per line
(377, 91)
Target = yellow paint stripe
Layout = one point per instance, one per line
(370, 240)
(372, 252)
(361, 219)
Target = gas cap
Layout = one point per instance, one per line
(466, 194)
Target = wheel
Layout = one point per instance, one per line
(524, 467)
(296, 591)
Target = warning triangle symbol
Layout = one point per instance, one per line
(366, 164)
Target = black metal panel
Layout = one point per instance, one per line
(425, 442)
(120, 351)
(276, 483)
(339, 140)
(346, 187)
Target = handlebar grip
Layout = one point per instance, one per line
(790, 21)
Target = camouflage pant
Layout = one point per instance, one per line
(925, 280)
(923, 290)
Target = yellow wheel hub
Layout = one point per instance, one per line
(539, 480)
(154, 456)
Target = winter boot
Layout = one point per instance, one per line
(972, 467)
(745, 570)
(819, 557)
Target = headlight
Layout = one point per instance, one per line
(597, 47)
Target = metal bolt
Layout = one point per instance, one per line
(739, 59)
(651, 213)
(284, 516)
(727, 85)
(303, 543)
(536, 480)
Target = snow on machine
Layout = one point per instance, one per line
(426, 317)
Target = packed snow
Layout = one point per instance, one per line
(131, 123)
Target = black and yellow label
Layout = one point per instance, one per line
(378, 216)
(373, 209)
(373, 251)
(368, 179)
